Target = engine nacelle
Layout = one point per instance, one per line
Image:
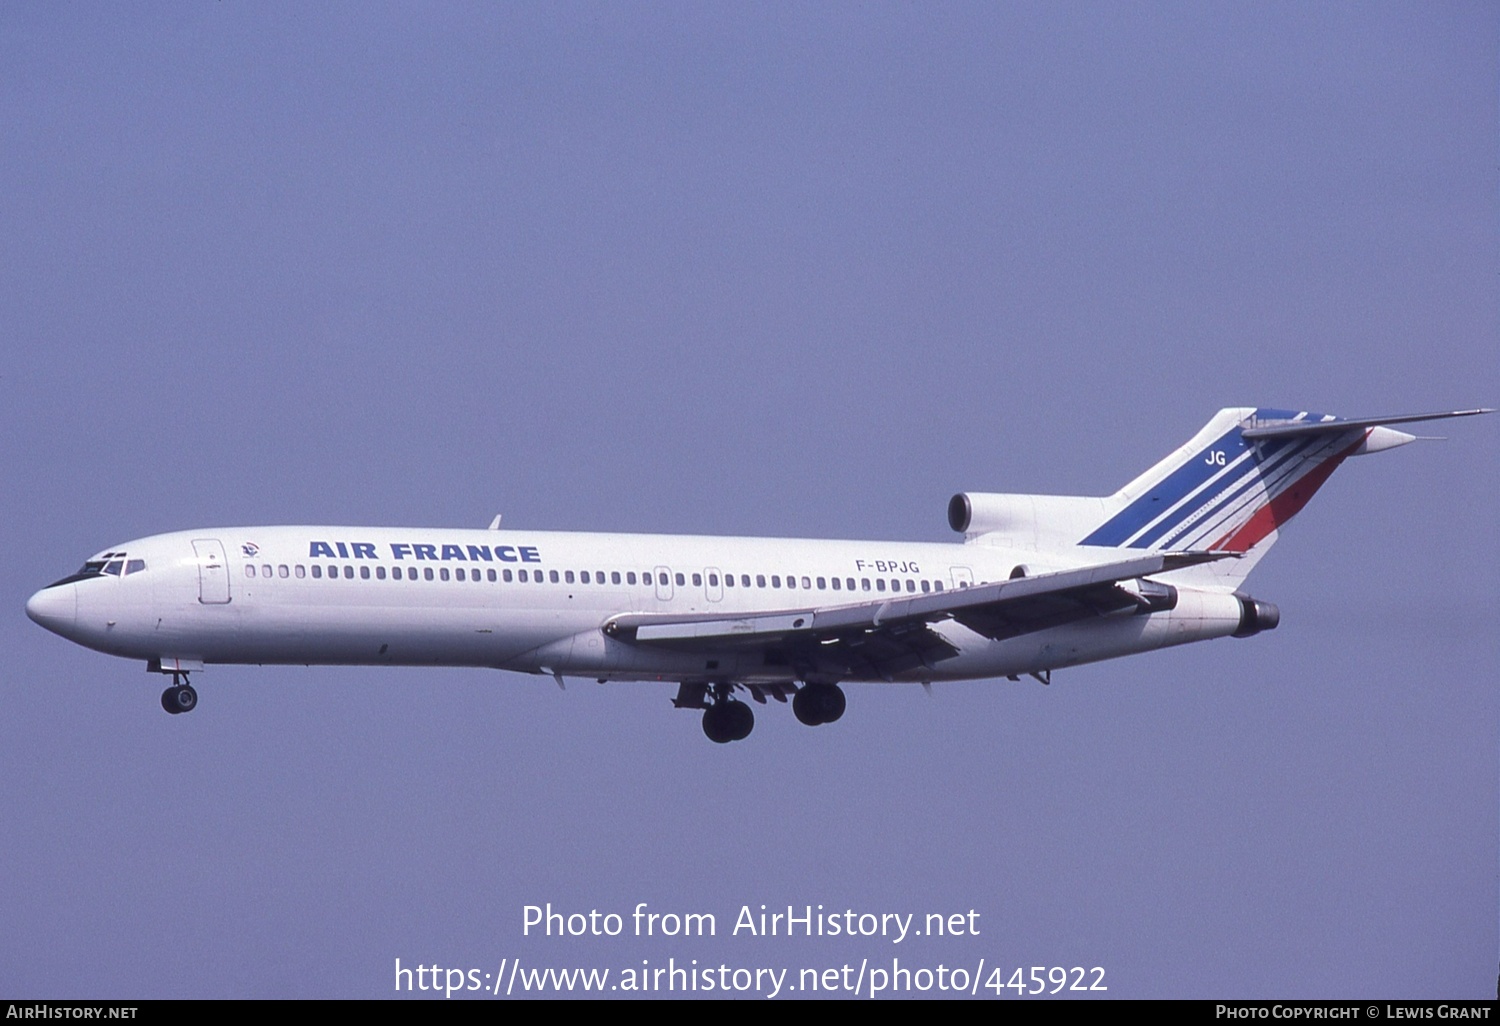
(1028, 521)
(1256, 616)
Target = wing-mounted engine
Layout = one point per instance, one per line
(1026, 521)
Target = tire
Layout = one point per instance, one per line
(715, 725)
(805, 706)
(833, 703)
(741, 720)
(819, 703)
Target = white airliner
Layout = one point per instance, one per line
(1039, 582)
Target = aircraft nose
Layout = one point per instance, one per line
(55, 608)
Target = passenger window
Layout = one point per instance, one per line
(807, 583)
(583, 577)
(299, 571)
(836, 583)
(850, 583)
(760, 580)
(791, 582)
(427, 572)
(880, 584)
(317, 570)
(459, 574)
(822, 584)
(630, 577)
(911, 585)
(568, 576)
(925, 587)
(713, 580)
(521, 575)
(265, 571)
(281, 571)
(938, 585)
(681, 580)
(491, 575)
(380, 573)
(249, 570)
(614, 577)
(506, 575)
(364, 573)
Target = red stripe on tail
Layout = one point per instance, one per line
(1279, 510)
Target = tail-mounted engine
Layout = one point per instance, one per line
(1256, 616)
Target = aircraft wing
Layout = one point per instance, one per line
(894, 635)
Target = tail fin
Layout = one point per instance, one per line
(1238, 480)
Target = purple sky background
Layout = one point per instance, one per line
(798, 270)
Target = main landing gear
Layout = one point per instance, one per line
(816, 704)
(180, 697)
(726, 719)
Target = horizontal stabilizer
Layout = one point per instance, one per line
(1293, 428)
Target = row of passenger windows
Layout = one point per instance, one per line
(628, 577)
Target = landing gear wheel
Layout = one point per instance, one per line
(833, 702)
(714, 725)
(803, 707)
(179, 698)
(726, 721)
(741, 720)
(818, 703)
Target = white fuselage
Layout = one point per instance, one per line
(537, 601)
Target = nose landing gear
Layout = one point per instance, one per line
(180, 697)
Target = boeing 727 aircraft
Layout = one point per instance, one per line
(1040, 582)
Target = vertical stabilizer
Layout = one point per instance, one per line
(1237, 481)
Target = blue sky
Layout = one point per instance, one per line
(773, 270)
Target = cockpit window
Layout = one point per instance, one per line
(112, 563)
(93, 568)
